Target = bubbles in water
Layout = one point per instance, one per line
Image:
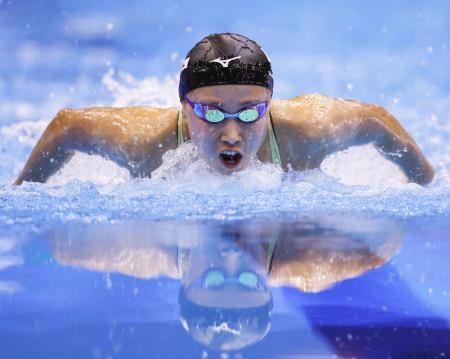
(183, 168)
(92, 168)
(363, 165)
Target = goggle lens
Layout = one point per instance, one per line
(215, 278)
(248, 279)
(248, 115)
(214, 115)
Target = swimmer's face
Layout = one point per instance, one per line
(214, 139)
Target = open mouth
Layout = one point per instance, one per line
(230, 158)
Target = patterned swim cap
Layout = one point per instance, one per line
(225, 58)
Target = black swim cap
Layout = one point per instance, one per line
(226, 58)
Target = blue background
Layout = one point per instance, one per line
(385, 49)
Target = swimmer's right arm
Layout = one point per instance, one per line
(51, 151)
(126, 136)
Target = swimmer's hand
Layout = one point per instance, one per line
(313, 126)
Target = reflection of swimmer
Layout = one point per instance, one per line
(329, 251)
(227, 111)
(225, 302)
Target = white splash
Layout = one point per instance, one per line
(363, 165)
(129, 91)
(183, 169)
(91, 168)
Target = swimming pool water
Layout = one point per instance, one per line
(347, 286)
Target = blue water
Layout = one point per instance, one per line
(57, 54)
(88, 291)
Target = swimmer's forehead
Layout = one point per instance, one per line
(218, 102)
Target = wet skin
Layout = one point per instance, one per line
(308, 128)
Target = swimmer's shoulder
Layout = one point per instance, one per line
(151, 121)
(146, 121)
(308, 114)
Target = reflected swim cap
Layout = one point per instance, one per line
(221, 59)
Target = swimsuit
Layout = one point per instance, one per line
(276, 158)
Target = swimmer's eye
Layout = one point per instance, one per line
(214, 115)
(213, 279)
(249, 115)
(248, 279)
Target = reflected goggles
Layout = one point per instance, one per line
(215, 279)
(213, 114)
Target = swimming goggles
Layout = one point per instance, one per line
(215, 279)
(212, 114)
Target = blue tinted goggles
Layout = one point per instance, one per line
(215, 279)
(213, 114)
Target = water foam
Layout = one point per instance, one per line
(183, 169)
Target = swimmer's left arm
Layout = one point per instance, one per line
(395, 143)
(314, 126)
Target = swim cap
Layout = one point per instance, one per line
(226, 58)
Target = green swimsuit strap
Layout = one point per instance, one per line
(276, 158)
(180, 128)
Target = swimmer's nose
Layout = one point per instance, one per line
(232, 261)
(231, 133)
